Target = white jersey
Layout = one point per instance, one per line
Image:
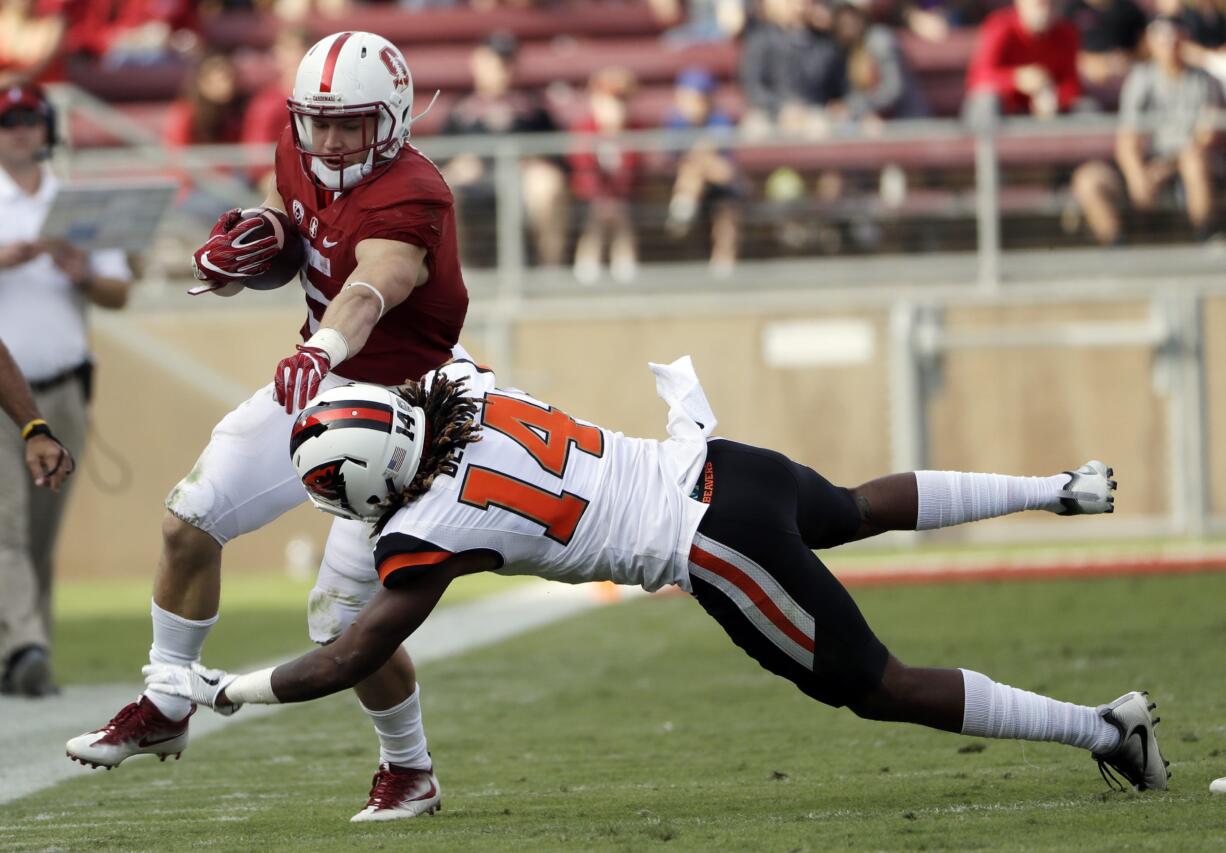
(562, 498)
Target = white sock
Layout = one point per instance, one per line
(1001, 711)
(402, 738)
(179, 641)
(947, 498)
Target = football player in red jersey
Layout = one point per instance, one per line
(386, 302)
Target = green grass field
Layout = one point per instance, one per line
(262, 618)
(641, 726)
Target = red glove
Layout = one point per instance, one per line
(298, 377)
(229, 255)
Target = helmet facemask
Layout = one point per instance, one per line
(378, 150)
(347, 75)
(356, 448)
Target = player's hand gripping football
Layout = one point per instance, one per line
(197, 683)
(298, 377)
(231, 255)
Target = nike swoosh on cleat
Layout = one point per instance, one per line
(146, 742)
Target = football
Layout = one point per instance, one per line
(289, 259)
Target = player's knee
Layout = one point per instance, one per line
(194, 503)
(329, 613)
(184, 545)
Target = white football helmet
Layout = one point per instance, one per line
(356, 446)
(345, 75)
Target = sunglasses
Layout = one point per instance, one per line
(20, 118)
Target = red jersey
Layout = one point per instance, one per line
(1005, 45)
(408, 201)
(601, 168)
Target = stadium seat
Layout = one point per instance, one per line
(465, 26)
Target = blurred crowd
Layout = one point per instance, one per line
(808, 68)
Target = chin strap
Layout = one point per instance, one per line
(422, 114)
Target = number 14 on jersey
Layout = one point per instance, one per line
(547, 434)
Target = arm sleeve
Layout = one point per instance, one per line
(890, 78)
(987, 69)
(758, 91)
(1132, 97)
(399, 556)
(421, 224)
(1064, 70)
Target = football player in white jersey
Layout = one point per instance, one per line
(459, 476)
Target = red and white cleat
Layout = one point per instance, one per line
(138, 729)
(399, 792)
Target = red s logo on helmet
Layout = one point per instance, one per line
(395, 67)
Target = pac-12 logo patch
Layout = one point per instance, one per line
(298, 211)
(314, 229)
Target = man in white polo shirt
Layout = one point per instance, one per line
(43, 292)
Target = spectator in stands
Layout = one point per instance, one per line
(603, 175)
(495, 108)
(1204, 23)
(1167, 110)
(133, 32)
(210, 110)
(299, 10)
(695, 21)
(266, 115)
(789, 70)
(1111, 32)
(1025, 62)
(708, 181)
(31, 42)
(879, 82)
(930, 20)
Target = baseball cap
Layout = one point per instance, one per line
(23, 96)
(698, 79)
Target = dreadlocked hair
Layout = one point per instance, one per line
(451, 425)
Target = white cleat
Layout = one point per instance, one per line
(400, 792)
(1137, 758)
(1088, 491)
(138, 729)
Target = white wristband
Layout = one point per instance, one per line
(332, 342)
(372, 289)
(253, 688)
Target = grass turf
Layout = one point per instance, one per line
(102, 627)
(640, 726)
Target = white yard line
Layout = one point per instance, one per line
(33, 731)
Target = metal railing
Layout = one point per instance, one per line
(1174, 282)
